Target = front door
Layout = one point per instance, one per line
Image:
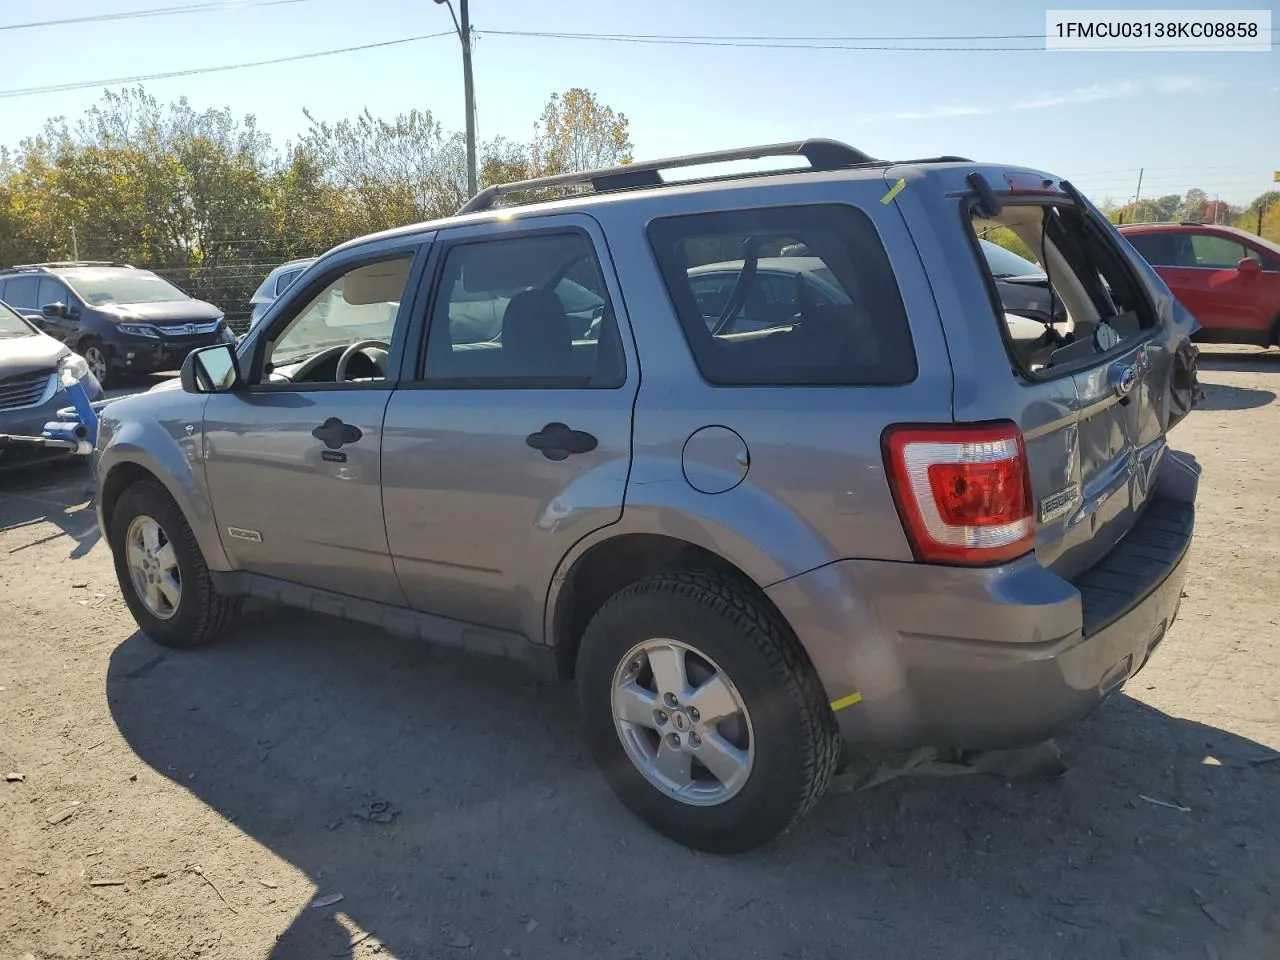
(294, 461)
(515, 440)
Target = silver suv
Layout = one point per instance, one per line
(756, 505)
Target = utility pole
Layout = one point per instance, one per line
(75, 245)
(469, 93)
(468, 88)
(1137, 194)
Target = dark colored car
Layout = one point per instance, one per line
(32, 371)
(1228, 279)
(117, 317)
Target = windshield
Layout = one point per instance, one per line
(12, 325)
(97, 287)
(1005, 263)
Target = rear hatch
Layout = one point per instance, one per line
(1096, 393)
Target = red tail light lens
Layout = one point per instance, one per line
(963, 492)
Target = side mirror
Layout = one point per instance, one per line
(213, 369)
(1249, 268)
(55, 310)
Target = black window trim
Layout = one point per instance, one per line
(1028, 376)
(417, 248)
(415, 364)
(667, 283)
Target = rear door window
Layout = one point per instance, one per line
(20, 293)
(791, 296)
(1087, 302)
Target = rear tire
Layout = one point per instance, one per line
(182, 610)
(791, 745)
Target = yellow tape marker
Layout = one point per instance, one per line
(893, 192)
(848, 701)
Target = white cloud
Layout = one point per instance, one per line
(1094, 93)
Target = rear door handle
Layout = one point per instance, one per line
(333, 433)
(557, 441)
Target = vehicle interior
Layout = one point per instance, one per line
(791, 307)
(523, 310)
(1093, 297)
(344, 333)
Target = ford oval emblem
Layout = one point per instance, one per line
(1124, 380)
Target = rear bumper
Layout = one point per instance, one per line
(991, 658)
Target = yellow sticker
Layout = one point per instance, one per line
(848, 701)
(893, 192)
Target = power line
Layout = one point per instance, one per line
(207, 7)
(62, 87)
(768, 43)
(813, 43)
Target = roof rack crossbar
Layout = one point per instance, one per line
(70, 263)
(821, 154)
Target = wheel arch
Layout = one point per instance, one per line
(126, 461)
(596, 571)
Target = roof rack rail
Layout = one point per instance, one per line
(821, 154)
(70, 263)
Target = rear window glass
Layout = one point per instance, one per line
(1079, 303)
(796, 296)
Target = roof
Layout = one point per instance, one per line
(1184, 226)
(53, 265)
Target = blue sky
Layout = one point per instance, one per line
(1191, 119)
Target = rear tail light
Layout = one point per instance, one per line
(963, 492)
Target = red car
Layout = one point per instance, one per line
(1228, 279)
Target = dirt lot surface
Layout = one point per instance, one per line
(180, 805)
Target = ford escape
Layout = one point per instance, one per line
(757, 505)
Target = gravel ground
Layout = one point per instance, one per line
(180, 805)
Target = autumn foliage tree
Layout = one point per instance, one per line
(577, 132)
(205, 199)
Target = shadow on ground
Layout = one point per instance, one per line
(1217, 396)
(59, 493)
(1262, 361)
(293, 722)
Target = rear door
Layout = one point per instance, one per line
(1229, 298)
(511, 439)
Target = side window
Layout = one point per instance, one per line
(523, 312)
(52, 291)
(786, 296)
(1219, 252)
(359, 306)
(21, 293)
(1158, 249)
(284, 280)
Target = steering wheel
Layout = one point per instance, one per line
(360, 346)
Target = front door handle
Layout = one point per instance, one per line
(557, 441)
(333, 433)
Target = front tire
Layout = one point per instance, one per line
(753, 760)
(95, 355)
(161, 571)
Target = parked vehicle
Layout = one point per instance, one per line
(119, 318)
(276, 283)
(1228, 279)
(31, 388)
(867, 516)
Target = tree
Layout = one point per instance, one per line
(1193, 206)
(576, 132)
